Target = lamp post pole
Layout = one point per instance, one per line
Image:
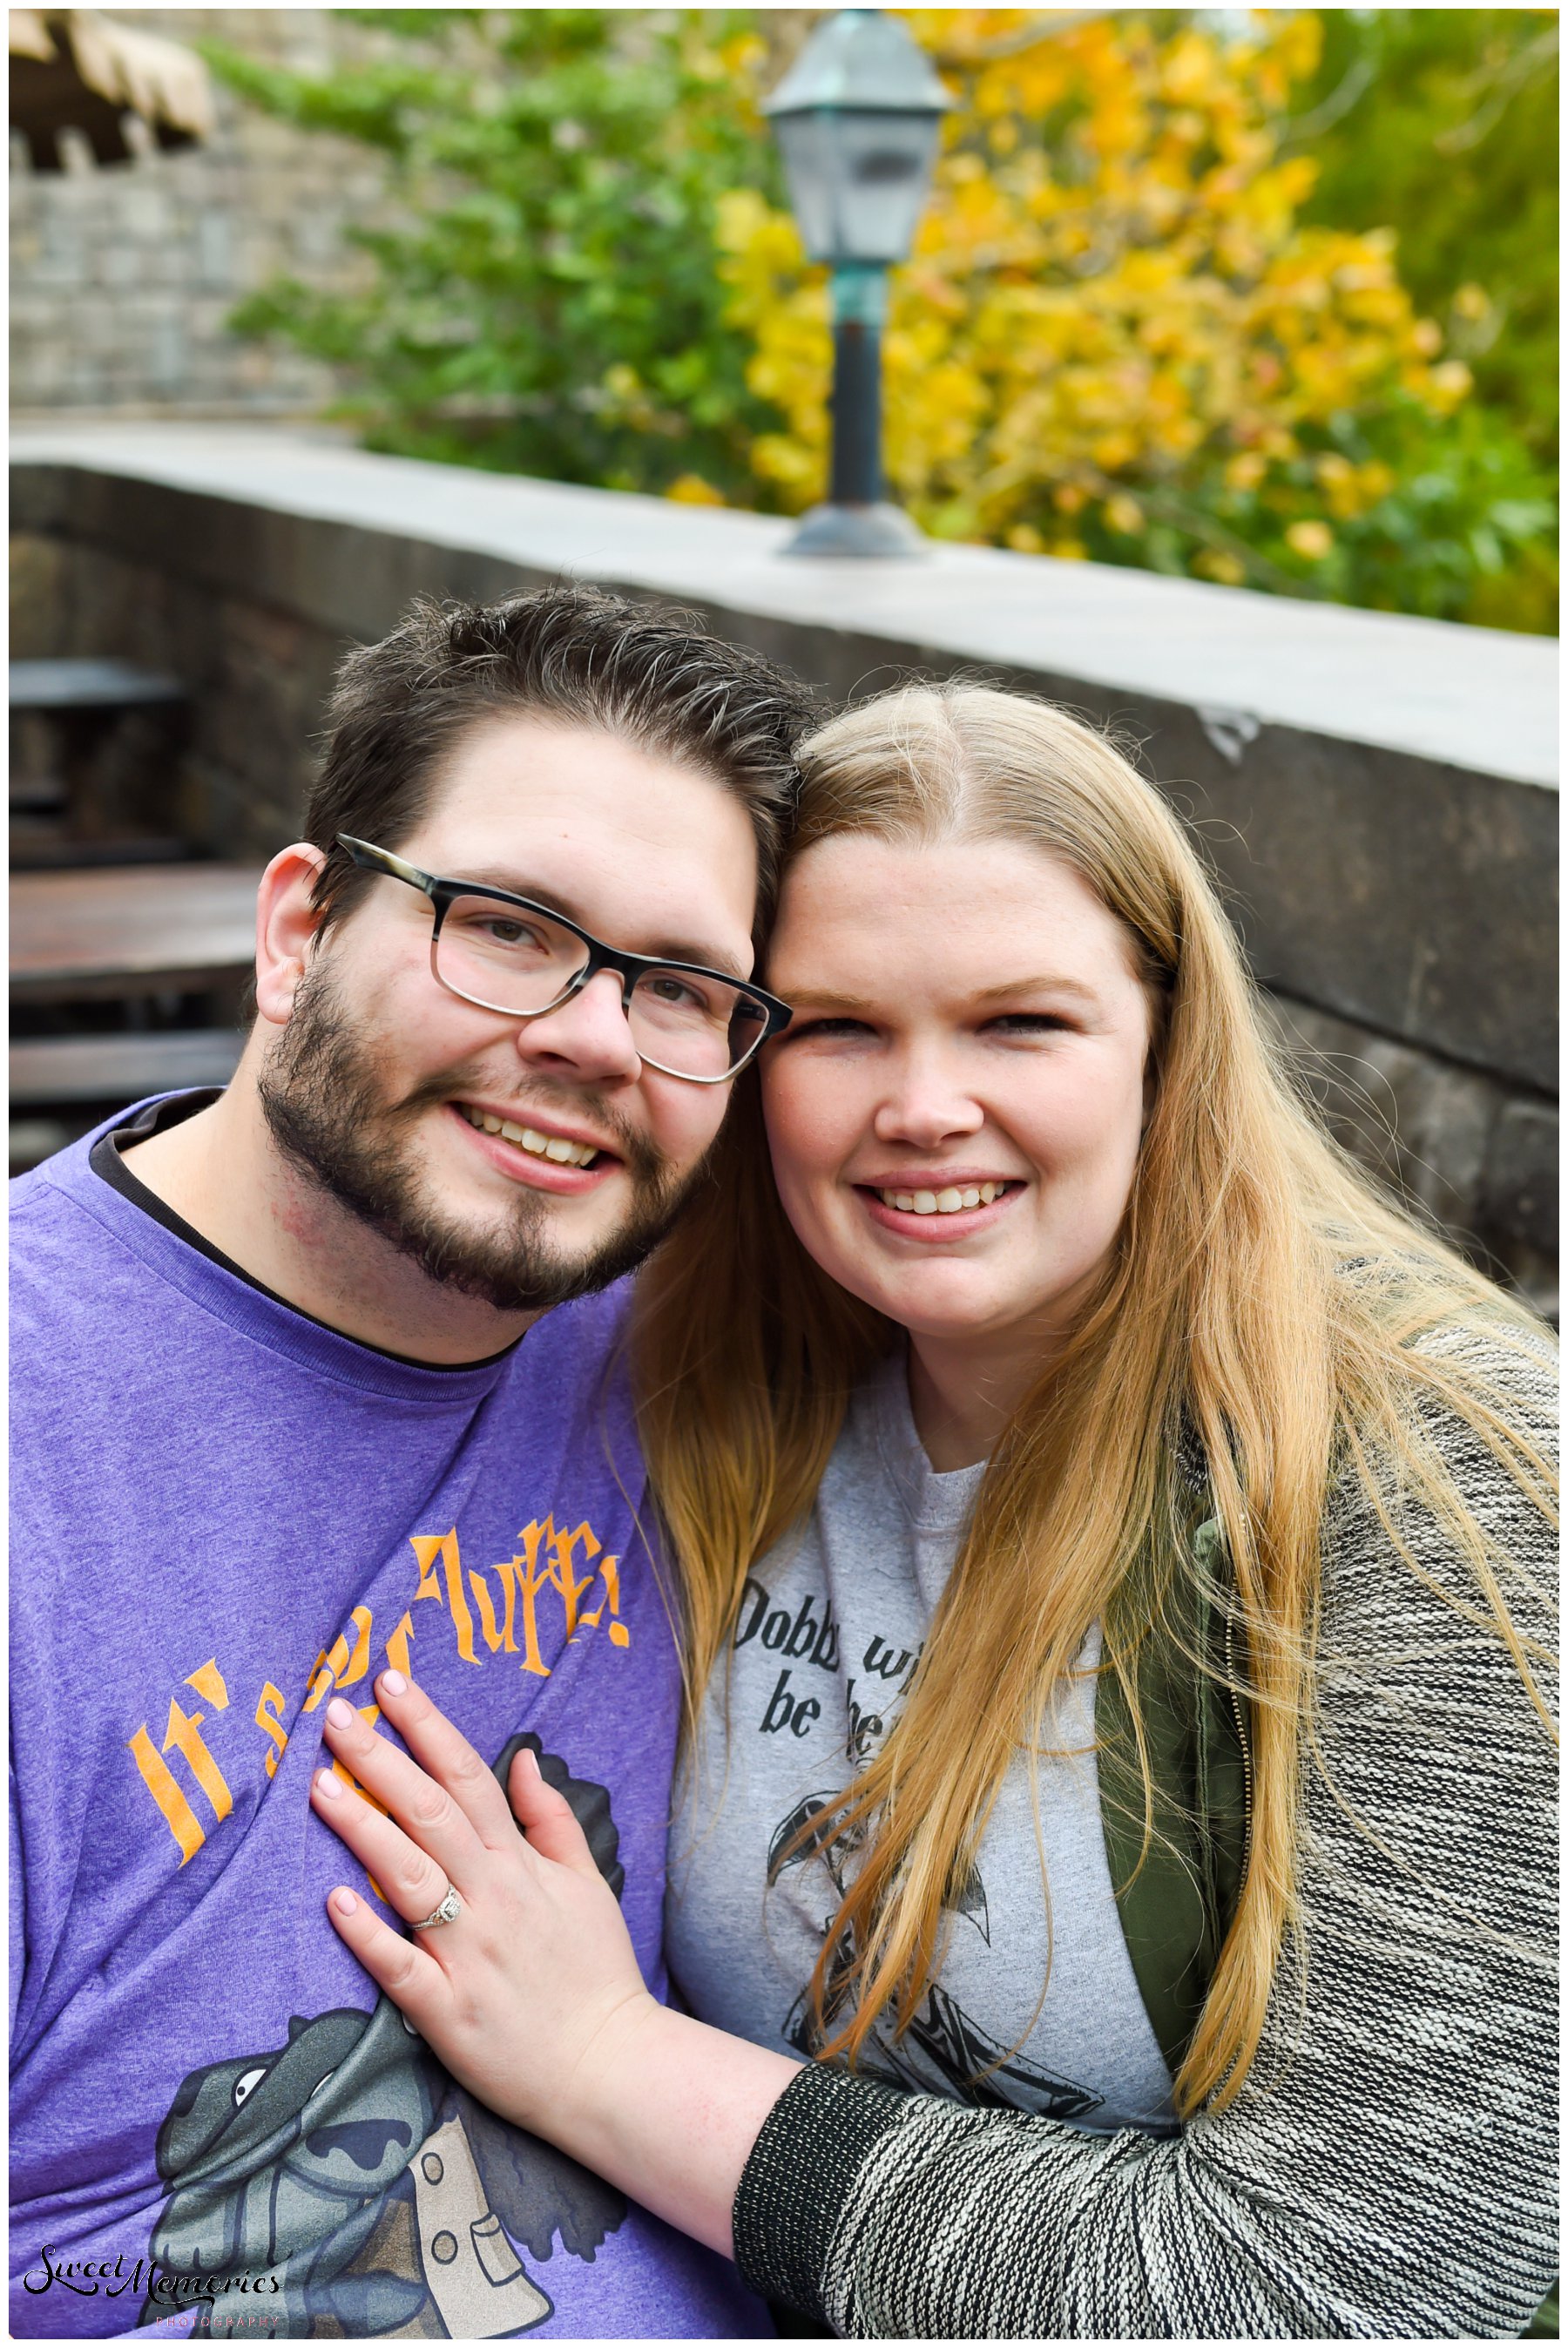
(859, 310)
(858, 117)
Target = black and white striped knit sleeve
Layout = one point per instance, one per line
(1390, 2166)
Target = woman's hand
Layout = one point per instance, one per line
(532, 1997)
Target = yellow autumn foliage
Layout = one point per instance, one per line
(1111, 296)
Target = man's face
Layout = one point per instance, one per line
(379, 1083)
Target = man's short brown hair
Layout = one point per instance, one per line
(645, 673)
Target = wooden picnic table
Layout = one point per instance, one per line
(144, 929)
(53, 1071)
(76, 775)
(72, 684)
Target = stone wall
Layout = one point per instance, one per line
(122, 279)
(1469, 1152)
(253, 600)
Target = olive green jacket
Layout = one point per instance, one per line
(1177, 1860)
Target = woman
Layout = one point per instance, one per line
(1112, 1545)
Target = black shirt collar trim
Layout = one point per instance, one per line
(107, 1162)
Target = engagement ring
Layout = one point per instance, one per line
(449, 1910)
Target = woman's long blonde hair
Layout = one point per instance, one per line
(1262, 1296)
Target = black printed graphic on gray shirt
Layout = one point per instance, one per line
(1035, 2004)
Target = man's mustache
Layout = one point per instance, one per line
(580, 1102)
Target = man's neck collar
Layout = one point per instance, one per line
(219, 1171)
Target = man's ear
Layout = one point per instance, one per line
(286, 928)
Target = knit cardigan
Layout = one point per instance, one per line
(1389, 2167)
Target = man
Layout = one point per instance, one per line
(274, 1430)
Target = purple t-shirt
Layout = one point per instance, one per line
(222, 1513)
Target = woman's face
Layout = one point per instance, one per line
(956, 1110)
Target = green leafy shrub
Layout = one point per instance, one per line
(589, 276)
(549, 304)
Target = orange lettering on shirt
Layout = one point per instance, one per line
(178, 1816)
(273, 1726)
(531, 1577)
(208, 1682)
(397, 1647)
(494, 1638)
(183, 1735)
(336, 1666)
(562, 1545)
(609, 1571)
(353, 1667)
(427, 1547)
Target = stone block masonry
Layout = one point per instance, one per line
(1460, 1150)
(122, 279)
(1376, 795)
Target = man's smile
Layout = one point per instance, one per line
(538, 1154)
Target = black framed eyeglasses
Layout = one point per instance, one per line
(510, 954)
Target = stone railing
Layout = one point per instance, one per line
(1375, 794)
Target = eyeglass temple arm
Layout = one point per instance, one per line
(382, 860)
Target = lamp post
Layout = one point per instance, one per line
(857, 118)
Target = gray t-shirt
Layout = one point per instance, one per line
(830, 1630)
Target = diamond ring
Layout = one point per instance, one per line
(450, 1909)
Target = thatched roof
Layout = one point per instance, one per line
(72, 68)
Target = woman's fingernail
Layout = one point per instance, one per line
(329, 1785)
(339, 1712)
(531, 1760)
(393, 1683)
(344, 1902)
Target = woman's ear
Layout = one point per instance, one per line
(287, 925)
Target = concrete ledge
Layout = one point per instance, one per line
(1377, 793)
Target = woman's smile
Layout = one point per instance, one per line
(954, 1112)
(939, 1206)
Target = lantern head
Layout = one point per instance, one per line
(858, 117)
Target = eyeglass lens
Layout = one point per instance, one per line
(513, 959)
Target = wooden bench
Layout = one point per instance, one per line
(66, 798)
(124, 934)
(61, 686)
(132, 930)
(55, 1071)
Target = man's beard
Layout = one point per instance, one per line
(327, 1112)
